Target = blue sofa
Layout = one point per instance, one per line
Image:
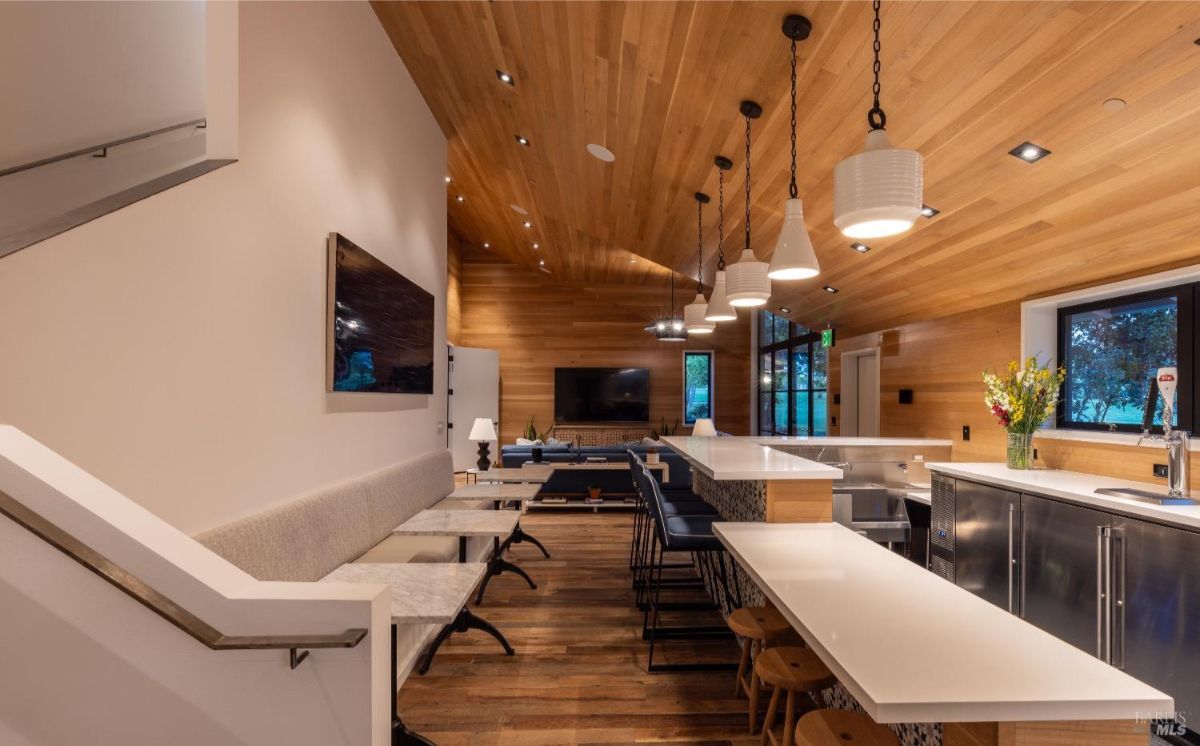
(612, 482)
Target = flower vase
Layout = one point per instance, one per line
(1020, 451)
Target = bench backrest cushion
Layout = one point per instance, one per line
(399, 492)
(309, 538)
(303, 540)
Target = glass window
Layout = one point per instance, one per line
(697, 386)
(792, 371)
(1112, 350)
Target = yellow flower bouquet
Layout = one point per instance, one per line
(1021, 399)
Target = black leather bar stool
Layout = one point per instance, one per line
(671, 535)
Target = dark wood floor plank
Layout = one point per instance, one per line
(579, 675)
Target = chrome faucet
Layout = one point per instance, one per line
(1178, 442)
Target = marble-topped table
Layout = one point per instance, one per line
(423, 593)
(539, 474)
(467, 523)
(501, 493)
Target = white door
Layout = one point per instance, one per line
(474, 392)
(860, 393)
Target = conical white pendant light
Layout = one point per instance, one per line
(718, 305)
(693, 313)
(879, 191)
(747, 284)
(794, 257)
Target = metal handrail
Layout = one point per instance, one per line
(135, 588)
(102, 148)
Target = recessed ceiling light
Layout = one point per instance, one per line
(448, 179)
(522, 139)
(785, 309)
(527, 224)
(1029, 152)
(861, 248)
(505, 78)
(536, 246)
(541, 262)
(1114, 104)
(601, 152)
(633, 260)
(487, 245)
(518, 209)
(460, 198)
(928, 211)
(830, 289)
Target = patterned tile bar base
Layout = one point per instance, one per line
(747, 501)
(599, 435)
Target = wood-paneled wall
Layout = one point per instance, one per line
(942, 360)
(453, 288)
(538, 325)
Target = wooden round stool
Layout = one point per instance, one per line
(759, 625)
(790, 669)
(842, 728)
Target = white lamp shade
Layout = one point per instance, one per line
(704, 428)
(747, 283)
(483, 429)
(693, 316)
(794, 258)
(718, 305)
(879, 191)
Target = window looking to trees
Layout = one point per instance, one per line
(792, 378)
(1113, 348)
(697, 386)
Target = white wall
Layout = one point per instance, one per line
(78, 74)
(175, 349)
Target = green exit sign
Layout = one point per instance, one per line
(827, 338)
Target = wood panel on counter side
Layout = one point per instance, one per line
(538, 325)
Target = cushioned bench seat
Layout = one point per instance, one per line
(309, 538)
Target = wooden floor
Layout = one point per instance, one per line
(579, 674)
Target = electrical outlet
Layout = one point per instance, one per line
(966, 432)
(1160, 470)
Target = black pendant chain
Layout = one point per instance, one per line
(747, 182)
(792, 189)
(720, 219)
(699, 246)
(875, 117)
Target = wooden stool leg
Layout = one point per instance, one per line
(770, 720)
(754, 690)
(743, 663)
(789, 720)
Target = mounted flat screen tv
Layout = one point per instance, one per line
(380, 325)
(601, 395)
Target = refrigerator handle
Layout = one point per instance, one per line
(1100, 593)
(1011, 561)
(1117, 589)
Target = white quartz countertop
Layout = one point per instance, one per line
(912, 647)
(1075, 487)
(838, 440)
(422, 592)
(746, 458)
(460, 523)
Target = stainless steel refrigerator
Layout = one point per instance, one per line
(1125, 590)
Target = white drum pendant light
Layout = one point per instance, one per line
(718, 304)
(693, 313)
(879, 191)
(794, 257)
(747, 284)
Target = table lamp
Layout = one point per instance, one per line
(704, 428)
(483, 432)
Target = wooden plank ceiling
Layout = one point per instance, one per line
(658, 83)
